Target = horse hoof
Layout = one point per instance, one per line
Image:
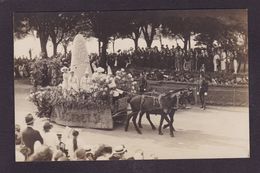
(139, 133)
(165, 126)
(154, 128)
(160, 133)
(140, 126)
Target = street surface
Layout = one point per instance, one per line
(217, 132)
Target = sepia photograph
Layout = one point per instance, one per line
(131, 85)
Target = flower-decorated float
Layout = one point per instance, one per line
(85, 99)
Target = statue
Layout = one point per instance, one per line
(80, 60)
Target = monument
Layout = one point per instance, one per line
(80, 60)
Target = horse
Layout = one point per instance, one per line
(161, 105)
(185, 95)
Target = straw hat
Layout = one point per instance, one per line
(120, 149)
(63, 69)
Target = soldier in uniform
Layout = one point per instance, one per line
(203, 89)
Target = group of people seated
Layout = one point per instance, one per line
(71, 81)
(44, 145)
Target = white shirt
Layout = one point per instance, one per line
(85, 83)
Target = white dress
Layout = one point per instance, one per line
(216, 57)
(235, 65)
(73, 83)
(65, 80)
(223, 61)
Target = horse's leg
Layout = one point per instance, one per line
(149, 119)
(160, 126)
(129, 116)
(134, 122)
(140, 119)
(171, 115)
(170, 124)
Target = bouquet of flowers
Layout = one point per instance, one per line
(125, 81)
(46, 72)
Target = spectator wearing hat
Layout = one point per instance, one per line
(119, 153)
(29, 135)
(49, 138)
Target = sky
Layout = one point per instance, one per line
(21, 47)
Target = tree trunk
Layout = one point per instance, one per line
(186, 40)
(65, 47)
(148, 36)
(43, 41)
(135, 36)
(113, 45)
(136, 43)
(99, 45)
(55, 45)
(160, 39)
(239, 66)
(104, 54)
(189, 43)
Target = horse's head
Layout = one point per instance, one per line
(169, 100)
(188, 95)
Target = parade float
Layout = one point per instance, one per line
(98, 106)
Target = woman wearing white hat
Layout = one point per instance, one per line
(65, 75)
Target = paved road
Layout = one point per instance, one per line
(218, 132)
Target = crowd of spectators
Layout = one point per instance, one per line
(22, 67)
(43, 144)
(177, 59)
(220, 66)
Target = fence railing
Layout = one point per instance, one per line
(226, 95)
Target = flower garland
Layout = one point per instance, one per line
(97, 97)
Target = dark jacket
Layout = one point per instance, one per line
(29, 137)
(204, 86)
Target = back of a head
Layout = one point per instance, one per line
(44, 154)
(80, 154)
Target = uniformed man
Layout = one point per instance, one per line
(203, 91)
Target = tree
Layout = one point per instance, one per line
(24, 23)
(62, 28)
(180, 27)
(103, 25)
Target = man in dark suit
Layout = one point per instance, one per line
(29, 135)
(203, 89)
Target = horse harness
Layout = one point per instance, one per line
(157, 100)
